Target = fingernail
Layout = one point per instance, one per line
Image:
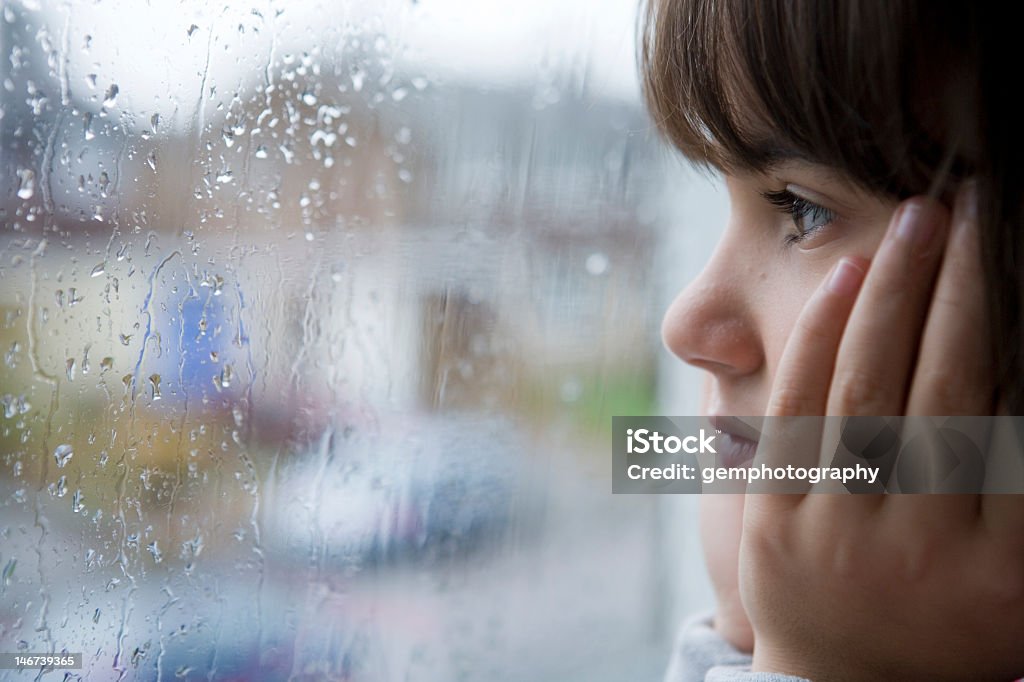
(916, 226)
(846, 278)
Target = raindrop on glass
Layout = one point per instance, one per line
(9, 571)
(26, 183)
(110, 99)
(597, 263)
(63, 454)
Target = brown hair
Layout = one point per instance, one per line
(901, 97)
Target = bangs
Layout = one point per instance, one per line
(866, 88)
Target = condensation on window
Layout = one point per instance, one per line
(313, 317)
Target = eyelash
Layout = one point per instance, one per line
(799, 208)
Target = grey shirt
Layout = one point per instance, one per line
(700, 654)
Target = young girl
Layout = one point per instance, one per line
(872, 265)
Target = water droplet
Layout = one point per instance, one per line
(155, 122)
(9, 572)
(70, 366)
(225, 177)
(154, 381)
(87, 126)
(63, 454)
(155, 551)
(96, 616)
(358, 77)
(106, 363)
(191, 29)
(151, 160)
(399, 94)
(98, 270)
(309, 98)
(125, 339)
(76, 502)
(11, 356)
(26, 183)
(61, 488)
(261, 152)
(571, 390)
(223, 380)
(110, 99)
(597, 263)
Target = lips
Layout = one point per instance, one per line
(737, 443)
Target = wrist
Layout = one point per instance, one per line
(736, 631)
(817, 665)
(769, 659)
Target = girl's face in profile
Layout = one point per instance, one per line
(787, 227)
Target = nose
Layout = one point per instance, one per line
(712, 323)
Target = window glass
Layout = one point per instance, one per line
(313, 316)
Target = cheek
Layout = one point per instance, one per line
(785, 308)
(787, 289)
(785, 293)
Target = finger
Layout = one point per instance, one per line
(802, 380)
(876, 356)
(877, 353)
(954, 376)
(954, 373)
(1003, 514)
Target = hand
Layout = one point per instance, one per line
(890, 587)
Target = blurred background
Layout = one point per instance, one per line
(313, 318)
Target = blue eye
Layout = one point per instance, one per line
(808, 217)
